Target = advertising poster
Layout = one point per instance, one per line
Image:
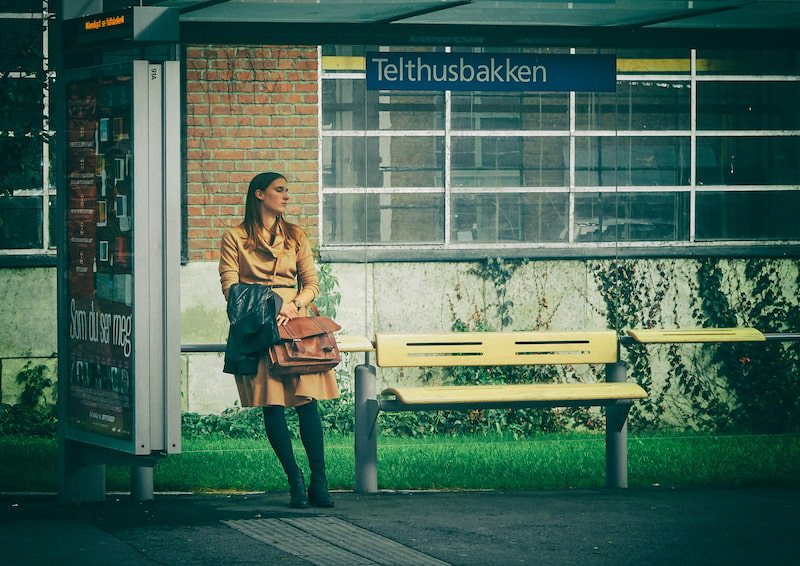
(100, 255)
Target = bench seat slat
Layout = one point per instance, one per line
(353, 343)
(496, 348)
(687, 335)
(545, 393)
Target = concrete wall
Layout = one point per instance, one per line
(28, 328)
(429, 297)
(544, 295)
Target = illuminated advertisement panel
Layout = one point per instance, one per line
(100, 248)
(120, 304)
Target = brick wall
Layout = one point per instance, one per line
(248, 110)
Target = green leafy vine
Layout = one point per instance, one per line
(753, 387)
(499, 271)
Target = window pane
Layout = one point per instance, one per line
(21, 48)
(375, 218)
(748, 215)
(510, 111)
(347, 105)
(748, 161)
(536, 217)
(495, 161)
(629, 217)
(53, 222)
(21, 105)
(21, 6)
(748, 106)
(637, 105)
(372, 161)
(344, 104)
(20, 163)
(406, 111)
(631, 161)
(20, 222)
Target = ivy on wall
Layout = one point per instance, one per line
(752, 387)
(498, 274)
(764, 377)
(733, 387)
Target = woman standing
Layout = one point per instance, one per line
(268, 250)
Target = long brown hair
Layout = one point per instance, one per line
(253, 223)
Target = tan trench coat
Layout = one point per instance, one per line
(238, 264)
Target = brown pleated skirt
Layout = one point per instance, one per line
(263, 389)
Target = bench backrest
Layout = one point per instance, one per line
(496, 348)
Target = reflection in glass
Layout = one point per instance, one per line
(373, 161)
(629, 217)
(510, 111)
(528, 217)
(748, 160)
(495, 161)
(748, 215)
(348, 105)
(748, 105)
(631, 161)
(376, 218)
(20, 222)
(637, 105)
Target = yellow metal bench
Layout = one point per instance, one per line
(690, 335)
(496, 349)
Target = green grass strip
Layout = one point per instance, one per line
(548, 461)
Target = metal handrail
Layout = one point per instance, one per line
(624, 340)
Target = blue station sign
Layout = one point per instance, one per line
(490, 72)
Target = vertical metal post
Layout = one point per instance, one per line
(366, 429)
(142, 483)
(617, 432)
(78, 481)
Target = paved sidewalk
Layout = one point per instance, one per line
(639, 526)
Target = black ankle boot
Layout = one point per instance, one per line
(281, 441)
(311, 435)
(297, 491)
(318, 495)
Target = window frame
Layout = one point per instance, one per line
(450, 248)
(44, 255)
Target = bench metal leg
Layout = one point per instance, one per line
(366, 429)
(617, 433)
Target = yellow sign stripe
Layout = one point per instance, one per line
(355, 64)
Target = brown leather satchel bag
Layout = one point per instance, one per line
(307, 345)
